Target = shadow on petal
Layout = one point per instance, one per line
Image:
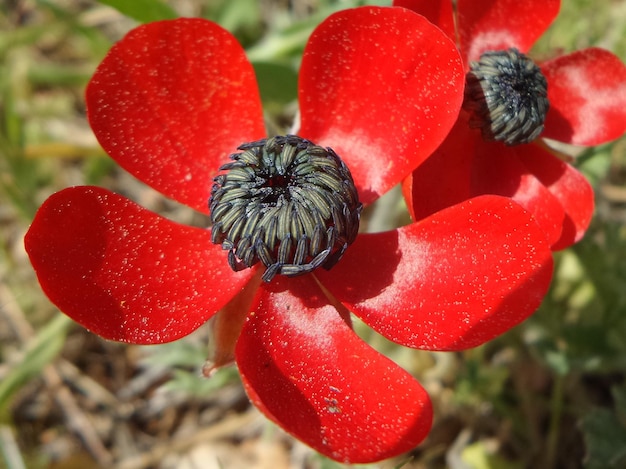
(367, 268)
(498, 169)
(557, 126)
(568, 185)
(588, 88)
(466, 275)
(305, 368)
(382, 120)
(68, 253)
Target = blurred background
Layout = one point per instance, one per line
(549, 394)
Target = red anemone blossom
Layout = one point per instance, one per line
(382, 87)
(586, 91)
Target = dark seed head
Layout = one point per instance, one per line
(286, 202)
(506, 95)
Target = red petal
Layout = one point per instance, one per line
(568, 185)
(125, 273)
(498, 170)
(309, 372)
(466, 166)
(382, 87)
(171, 101)
(501, 24)
(452, 281)
(587, 93)
(444, 179)
(438, 12)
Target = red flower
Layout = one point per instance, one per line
(382, 87)
(587, 106)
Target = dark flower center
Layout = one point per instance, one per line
(286, 202)
(506, 95)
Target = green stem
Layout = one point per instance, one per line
(556, 411)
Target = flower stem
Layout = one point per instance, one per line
(556, 411)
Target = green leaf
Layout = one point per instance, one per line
(619, 395)
(193, 384)
(322, 462)
(174, 354)
(595, 162)
(143, 11)
(236, 16)
(278, 83)
(97, 168)
(40, 351)
(479, 456)
(604, 437)
(557, 360)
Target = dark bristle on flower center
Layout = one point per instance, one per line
(286, 202)
(506, 95)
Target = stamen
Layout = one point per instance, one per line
(286, 202)
(506, 95)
